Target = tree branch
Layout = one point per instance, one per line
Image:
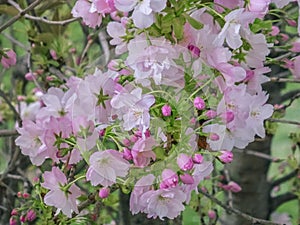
(279, 200)
(3, 95)
(284, 121)
(291, 95)
(284, 80)
(284, 178)
(258, 154)
(20, 14)
(8, 133)
(236, 211)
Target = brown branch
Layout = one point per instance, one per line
(258, 154)
(236, 211)
(8, 133)
(284, 80)
(17, 115)
(291, 95)
(20, 14)
(280, 199)
(284, 178)
(284, 121)
(51, 22)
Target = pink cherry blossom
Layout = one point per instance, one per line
(142, 186)
(104, 192)
(64, 200)
(105, 167)
(199, 103)
(142, 151)
(163, 203)
(8, 59)
(82, 9)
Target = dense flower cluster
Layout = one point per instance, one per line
(169, 91)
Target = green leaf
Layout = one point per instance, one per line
(178, 24)
(190, 217)
(8, 10)
(193, 22)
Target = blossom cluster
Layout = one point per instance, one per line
(170, 106)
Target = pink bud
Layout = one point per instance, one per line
(102, 132)
(233, 186)
(127, 154)
(125, 21)
(23, 219)
(21, 98)
(26, 195)
(53, 54)
(199, 103)
(8, 59)
(226, 156)
(104, 192)
(284, 37)
(185, 162)
(14, 212)
(187, 178)
(292, 23)
(169, 179)
(211, 214)
(30, 76)
(19, 194)
(275, 31)
(134, 138)
(12, 221)
(211, 114)
(295, 47)
(198, 158)
(228, 116)
(166, 110)
(194, 50)
(114, 65)
(31, 215)
(126, 142)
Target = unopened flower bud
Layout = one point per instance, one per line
(211, 114)
(187, 178)
(104, 192)
(166, 110)
(226, 156)
(31, 215)
(211, 214)
(199, 103)
(185, 162)
(198, 158)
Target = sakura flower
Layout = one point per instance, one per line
(142, 186)
(105, 167)
(166, 110)
(117, 31)
(8, 58)
(60, 195)
(185, 162)
(31, 142)
(163, 203)
(82, 9)
(102, 6)
(143, 14)
(226, 156)
(142, 151)
(133, 107)
(259, 7)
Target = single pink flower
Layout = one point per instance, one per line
(105, 167)
(169, 179)
(62, 199)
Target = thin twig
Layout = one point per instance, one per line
(20, 14)
(258, 154)
(284, 178)
(236, 211)
(284, 80)
(230, 197)
(13, 40)
(8, 133)
(17, 115)
(51, 22)
(284, 121)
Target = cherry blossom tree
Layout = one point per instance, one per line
(152, 111)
